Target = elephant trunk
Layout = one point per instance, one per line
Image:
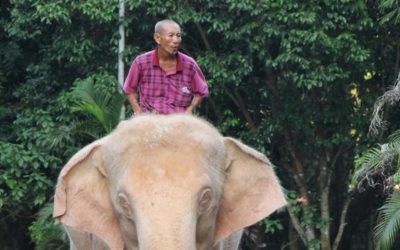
(167, 233)
(166, 243)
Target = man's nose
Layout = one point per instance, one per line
(176, 39)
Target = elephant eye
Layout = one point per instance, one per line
(205, 200)
(124, 204)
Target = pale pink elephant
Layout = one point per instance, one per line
(164, 183)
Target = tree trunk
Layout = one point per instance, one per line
(293, 238)
(238, 100)
(308, 234)
(121, 47)
(342, 224)
(324, 185)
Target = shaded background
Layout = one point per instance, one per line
(296, 81)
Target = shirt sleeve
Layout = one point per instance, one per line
(200, 87)
(132, 79)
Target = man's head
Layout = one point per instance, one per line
(167, 35)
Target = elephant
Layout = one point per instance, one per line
(164, 182)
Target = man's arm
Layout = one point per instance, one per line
(195, 102)
(200, 89)
(134, 103)
(131, 85)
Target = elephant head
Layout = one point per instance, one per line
(164, 182)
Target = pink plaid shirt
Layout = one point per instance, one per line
(162, 92)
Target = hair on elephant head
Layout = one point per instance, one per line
(164, 182)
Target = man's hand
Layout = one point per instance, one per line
(134, 104)
(195, 102)
(189, 110)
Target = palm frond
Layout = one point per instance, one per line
(390, 98)
(385, 4)
(101, 103)
(370, 161)
(88, 101)
(113, 109)
(94, 110)
(392, 153)
(393, 15)
(89, 128)
(388, 228)
(395, 137)
(384, 159)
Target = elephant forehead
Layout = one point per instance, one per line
(158, 140)
(163, 175)
(168, 148)
(151, 130)
(155, 133)
(169, 164)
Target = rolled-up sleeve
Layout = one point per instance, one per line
(200, 87)
(132, 79)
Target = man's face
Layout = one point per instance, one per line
(169, 38)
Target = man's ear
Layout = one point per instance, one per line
(251, 190)
(157, 37)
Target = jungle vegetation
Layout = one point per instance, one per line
(298, 80)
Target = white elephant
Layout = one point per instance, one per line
(164, 183)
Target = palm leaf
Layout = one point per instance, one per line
(395, 137)
(388, 228)
(90, 128)
(384, 158)
(100, 103)
(371, 160)
(393, 152)
(90, 102)
(113, 109)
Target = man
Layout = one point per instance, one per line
(167, 80)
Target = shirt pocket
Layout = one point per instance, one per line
(182, 89)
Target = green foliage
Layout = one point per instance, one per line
(46, 233)
(98, 96)
(382, 159)
(26, 164)
(281, 77)
(383, 163)
(272, 226)
(391, 10)
(388, 229)
(45, 47)
(370, 161)
(27, 168)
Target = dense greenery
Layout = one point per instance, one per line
(381, 165)
(297, 81)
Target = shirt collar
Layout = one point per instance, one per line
(156, 62)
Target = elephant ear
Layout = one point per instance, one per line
(82, 198)
(251, 190)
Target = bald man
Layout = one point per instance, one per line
(165, 80)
